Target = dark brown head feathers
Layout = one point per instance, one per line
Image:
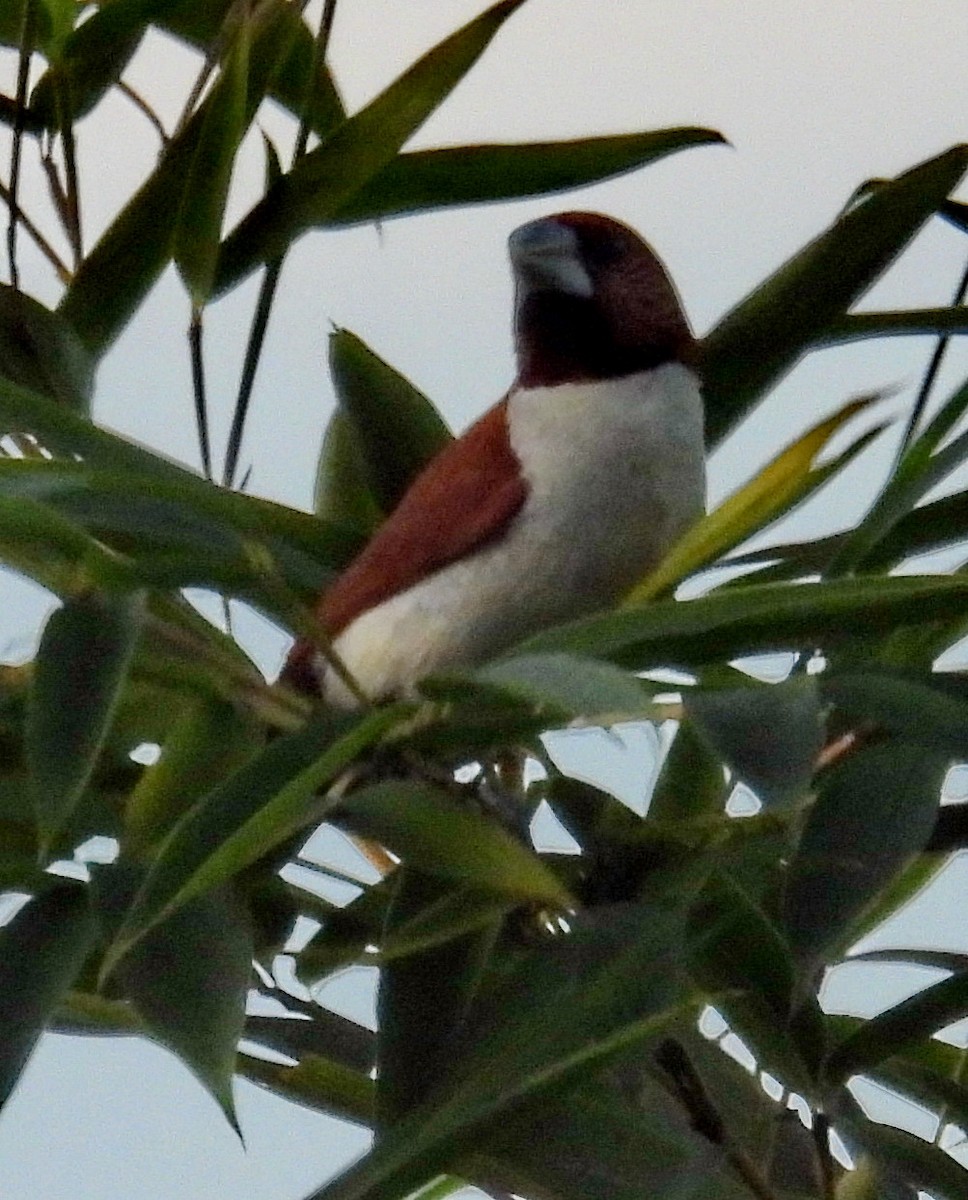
(593, 302)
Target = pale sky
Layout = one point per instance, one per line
(815, 98)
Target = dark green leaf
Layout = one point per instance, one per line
(764, 336)
(874, 813)
(343, 493)
(565, 686)
(750, 619)
(397, 428)
(568, 1009)
(208, 742)
(423, 998)
(433, 831)
(892, 1031)
(925, 709)
(770, 736)
(80, 668)
(324, 180)
(41, 352)
(902, 1156)
(249, 814)
(41, 951)
(912, 323)
(692, 782)
(430, 179)
(198, 228)
(189, 978)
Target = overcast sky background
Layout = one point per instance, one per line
(814, 98)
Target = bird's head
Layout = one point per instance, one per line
(592, 302)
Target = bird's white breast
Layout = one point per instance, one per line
(615, 471)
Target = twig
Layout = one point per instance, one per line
(140, 103)
(705, 1117)
(63, 270)
(23, 81)
(72, 195)
(931, 374)
(821, 1140)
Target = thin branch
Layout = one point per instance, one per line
(23, 81)
(198, 387)
(270, 280)
(64, 272)
(72, 194)
(931, 374)
(145, 108)
(821, 1141)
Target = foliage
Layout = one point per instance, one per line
(538, 1012)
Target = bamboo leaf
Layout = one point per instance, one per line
(272, 797)
(766, 333)
(430, 830)
(343, 493)
(80, 668)
(397, 428)
(327, 178)
(41, 951)
(431, 179)
(776, 489)
(40, 351)
(198, 228)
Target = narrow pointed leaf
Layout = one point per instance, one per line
(41, 951)
(343, 493)
(432, 179)
(750, 619)
(432, 831)
(326, 179)
(252, 812)
(770, 736)
(397, 428)
(198, 227)
(40, 351)
(911, 323)
(566, 1011)
(765, 335)
(566, 687)
(189, 979)
(771, 493)
(80, 668)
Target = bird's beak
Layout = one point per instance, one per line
(546, 256)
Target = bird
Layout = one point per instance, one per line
(556, 501)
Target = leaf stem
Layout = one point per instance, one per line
(19, 120)
(64, 272)
(145, 108)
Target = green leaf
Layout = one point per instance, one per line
(319, 1084)
(927, 709)
(117, 274)
(248, 815)
(692, 782)
(874, 813)
(899, 1154)
(208, 742)
(765, 334)
(432, 179)
(40, 351)
(567, 1009)
(785, 480)
(770, 736)
(41, 951)
(343, 493)
(431, 830)
(909, 323)
(61, 15)
(750, 619)
(565, 686)
(326, 179)
(398, 431)
(189, 978)
(198, 227)
(906, 1024)
(414, 1048)
(80, 668)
